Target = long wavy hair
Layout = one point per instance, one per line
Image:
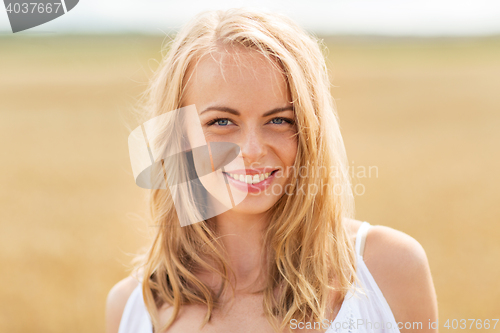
(308, 252)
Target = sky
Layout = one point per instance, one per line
(345, 17)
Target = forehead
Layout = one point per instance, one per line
(236, 76)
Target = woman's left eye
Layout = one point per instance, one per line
(280, 121)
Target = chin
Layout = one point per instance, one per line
(255, 205)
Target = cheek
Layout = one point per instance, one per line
(231, 134)
(285, 146)
(212, 137)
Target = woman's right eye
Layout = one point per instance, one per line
(220, 122)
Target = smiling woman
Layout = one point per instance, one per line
(286, 257)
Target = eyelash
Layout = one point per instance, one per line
(286, 120)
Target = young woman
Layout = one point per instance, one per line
(288, 256)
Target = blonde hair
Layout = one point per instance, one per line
(309, 253)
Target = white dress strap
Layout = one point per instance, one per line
(365, 310)
(361, 238)
(135, 317)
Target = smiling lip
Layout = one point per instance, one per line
(251, 188)
(251, 171)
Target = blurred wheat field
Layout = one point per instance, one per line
(424, 113)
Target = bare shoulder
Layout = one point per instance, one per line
(352, 226)
(399, 265)
(116, 301)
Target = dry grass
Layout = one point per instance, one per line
(424, 112)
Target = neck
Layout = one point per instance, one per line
(242, 236)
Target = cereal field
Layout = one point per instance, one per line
(423, 113)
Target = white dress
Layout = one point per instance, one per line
(361, 313)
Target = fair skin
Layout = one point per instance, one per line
(397, 262)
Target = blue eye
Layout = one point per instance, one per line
(222, 122)
(219, 122)
(281, 121)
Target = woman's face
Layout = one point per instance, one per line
(246, 101)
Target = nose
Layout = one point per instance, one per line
(253, 146)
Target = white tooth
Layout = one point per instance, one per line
(231, 175)
(267, 174)
(248, 179)
(241, 178)
(262, 177)
(255, 179)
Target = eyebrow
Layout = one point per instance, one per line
(236, 113)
